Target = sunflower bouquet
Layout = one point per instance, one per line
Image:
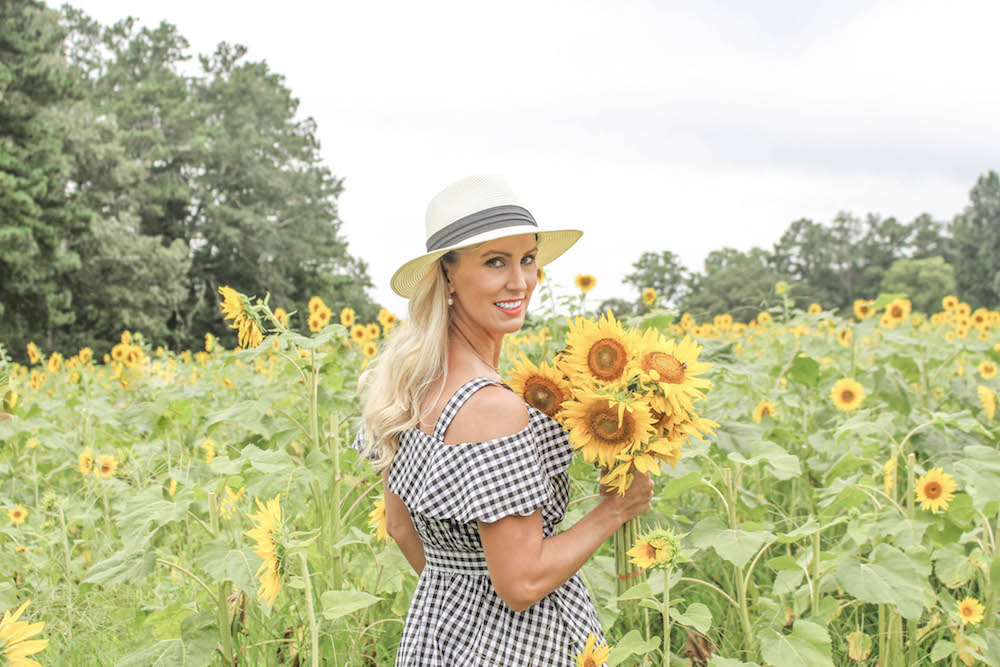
(627, 398)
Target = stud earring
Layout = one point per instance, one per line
(450, 301)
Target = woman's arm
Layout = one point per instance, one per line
(400, 527)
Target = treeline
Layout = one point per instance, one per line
(834, 264)
(131, 189)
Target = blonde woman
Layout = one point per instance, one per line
(475, 478)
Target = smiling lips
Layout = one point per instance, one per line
(510, 307)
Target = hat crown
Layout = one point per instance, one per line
(466, 197)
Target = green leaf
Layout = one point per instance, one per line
(237, 566)
(631, 644)
(736, 546)
(696, 616)
(884, 300)
(341, 603)
(637, 592)
(808, 645)
(675, 487)
(980, 474)
(122, 567)
(166, 622)
(804, 370)
(889, 577)
(952, 567)
(783, 563)
(718, 661)
(942, 649)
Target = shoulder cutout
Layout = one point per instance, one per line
(491, 412)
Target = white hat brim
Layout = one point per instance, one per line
(551, 244)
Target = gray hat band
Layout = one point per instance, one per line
(478, 222)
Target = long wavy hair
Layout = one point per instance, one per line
(399, 379)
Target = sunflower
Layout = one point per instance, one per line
(949, 302)
(17, 514)
(386, 319)
(723, 322)
(863, 308)
(935, 490)
(585, 282)
(315, 303)
(655, 547)
(544, 387)
(33, 355)
(315, 324)
(347, 317)
(237, 308)
(649, 296)
(324, 314)
(281, 315)
(267, 523)
(847, 394)
(603, 426)
(889, 477)
(85, 461)
(55, 362)
(970, 611)
(815, 308)
(359, 334)
(172, 488)
(845, 336)
(228, 505)
(898, 310)
(541, 274)
(763, 317)
(989, 400)
(987, 369)
(85, 354)
(372, 330)
(376, 518)
(369, 349)
(593, 656)
(209, 446)
(670, 367)
(12, 635)
(764, 409)
(106, 465)
(598, 351)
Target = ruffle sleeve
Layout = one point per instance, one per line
(483, 481)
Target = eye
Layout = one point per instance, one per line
(531, 257)
(495, 259)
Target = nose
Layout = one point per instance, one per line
(520, 276)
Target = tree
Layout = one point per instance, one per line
(663, 272)
(976, 237)
(734, 282)
(38, 214)
(925, 281)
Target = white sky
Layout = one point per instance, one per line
(686, 126)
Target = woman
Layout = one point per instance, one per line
(475, 478)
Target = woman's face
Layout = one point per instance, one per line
(492, 286)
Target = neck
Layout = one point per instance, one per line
(485, 349)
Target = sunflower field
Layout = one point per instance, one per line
(206, 508)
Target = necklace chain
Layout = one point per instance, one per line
(473, 348)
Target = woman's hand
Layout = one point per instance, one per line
(636, 500)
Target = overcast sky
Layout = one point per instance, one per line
(686, 126)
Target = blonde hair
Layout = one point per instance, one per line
(399, 379)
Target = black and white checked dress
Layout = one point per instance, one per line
(456, 618)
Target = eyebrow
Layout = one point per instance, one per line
(506, 254)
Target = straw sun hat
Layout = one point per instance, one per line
(470, 211)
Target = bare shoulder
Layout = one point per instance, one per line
(491, 412)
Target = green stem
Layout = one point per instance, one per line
(68, 561)
(666, 617)
(741, 583)
(222, 607)
(335, 504)
(883, 656)
(815, 579)
(313, 630)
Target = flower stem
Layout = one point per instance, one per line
(335, 502)
(666, 616)
(222, 607)
(313, 630)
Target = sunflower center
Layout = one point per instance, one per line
(589, 661)
(897, 312)
(604, 424)
(668, 366)
(932, 490)
(543, 394)
(766, 411)
(847, 395)
(650, 551)
(606, 359)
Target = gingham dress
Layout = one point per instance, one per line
(456, 618)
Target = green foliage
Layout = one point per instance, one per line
(976, 233)
(927, 281)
